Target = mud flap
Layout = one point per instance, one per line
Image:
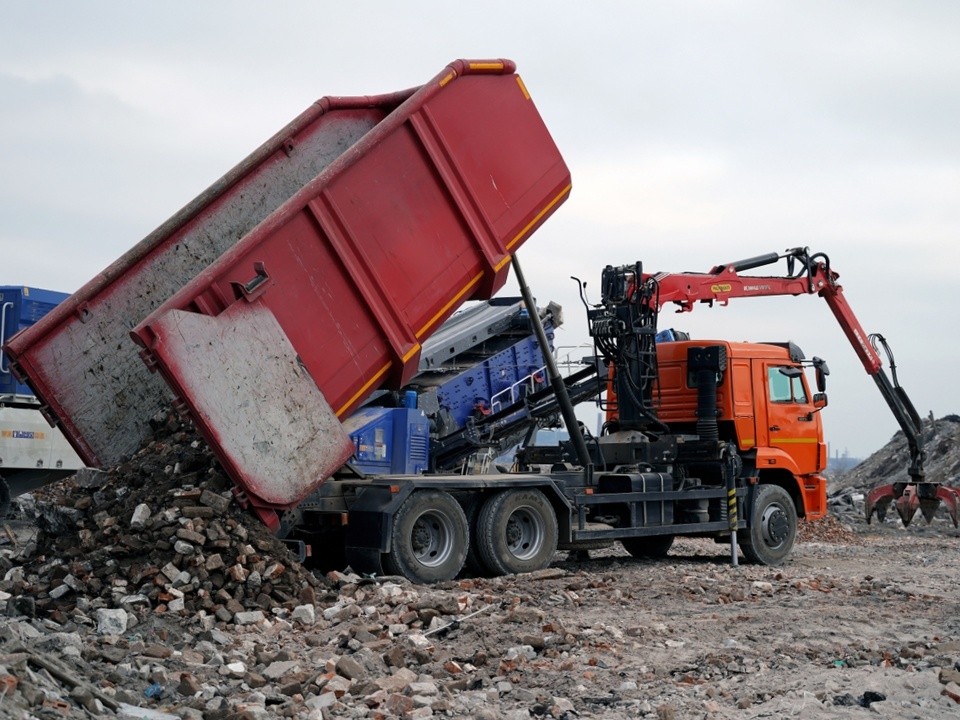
(369, 527)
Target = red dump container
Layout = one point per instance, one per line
(329, 296)
(79, 358)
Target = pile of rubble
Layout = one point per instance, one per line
(161, 532)
(829, 529)
(146, 591)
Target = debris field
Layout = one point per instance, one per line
(146, 592)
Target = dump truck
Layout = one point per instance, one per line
(273, 307)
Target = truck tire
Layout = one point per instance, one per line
(516, 532)
(471, 508)
(652, 546)
(429, 538)
(773, 527)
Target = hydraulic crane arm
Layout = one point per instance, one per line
(811, 274)
(813, 277)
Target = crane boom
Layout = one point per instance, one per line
(811, 274)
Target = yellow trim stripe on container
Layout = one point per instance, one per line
(455, 298)
(411, 352)
(486, 66)
(447, 78)
(366, 386)
(523, 88)
(499, 265)
(539, 215)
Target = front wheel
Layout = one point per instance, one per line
(429, 538)
(516, 532)
(773, 526)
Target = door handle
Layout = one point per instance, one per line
(774, 428)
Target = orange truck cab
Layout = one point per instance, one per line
(764, 405)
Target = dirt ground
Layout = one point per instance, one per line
(861, 621)
(149, 594)
(692, 636)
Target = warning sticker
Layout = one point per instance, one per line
(23, 434)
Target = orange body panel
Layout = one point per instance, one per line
(779, 435)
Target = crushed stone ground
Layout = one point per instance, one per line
(193, 611)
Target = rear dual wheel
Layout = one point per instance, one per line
(515, 532)
(429, 538)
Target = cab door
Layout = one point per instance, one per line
(793, 422)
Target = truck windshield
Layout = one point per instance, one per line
(785, 389)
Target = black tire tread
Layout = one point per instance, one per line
(490, 549)
(754, 549)
(402, 561)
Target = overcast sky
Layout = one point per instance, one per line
(696, 132)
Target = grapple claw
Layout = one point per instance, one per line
(928, 508)
(907, 505)
(910, 497)
(878, 500)
(950, 496)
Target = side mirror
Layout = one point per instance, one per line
(821, 370)
(820, 400)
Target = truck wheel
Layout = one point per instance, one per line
(516, 532)
(773, 527)
(429, 539)
(652, 546)
(471, 508)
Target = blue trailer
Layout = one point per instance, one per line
(21, 307)
(32, 453)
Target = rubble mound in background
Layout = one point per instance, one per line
(828, 529)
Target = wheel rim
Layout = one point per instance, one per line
(432, 538)
(774, 525)
(525, 533)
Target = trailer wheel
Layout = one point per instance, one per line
(652, 546)
(429, 538)
(516, 532)
(773, 527)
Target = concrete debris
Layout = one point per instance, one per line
(111, 621)
(149, 594)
